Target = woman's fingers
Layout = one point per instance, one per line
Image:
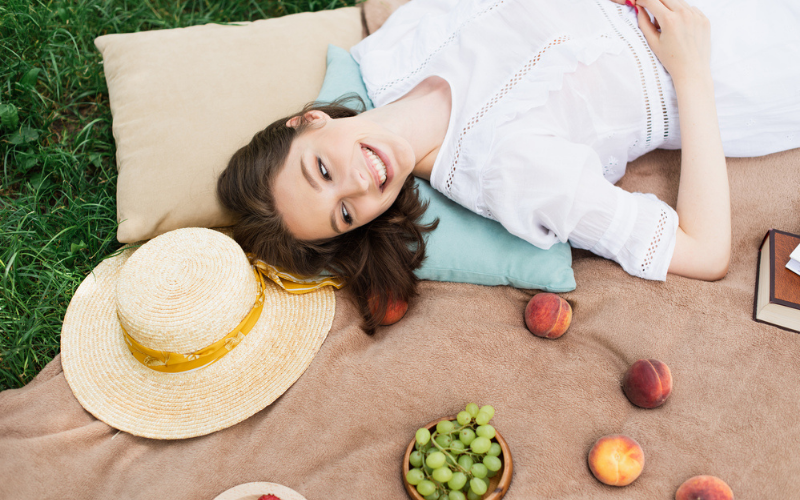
(657, 7)
(699, 13)
(683, 42)
(684, 4)
(648, 28)
(670, 4)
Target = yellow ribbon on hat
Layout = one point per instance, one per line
(293, 283)
(173, 362)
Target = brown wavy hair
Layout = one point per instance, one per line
(377, 260)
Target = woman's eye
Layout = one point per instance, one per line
(346, 216)
(323, 171)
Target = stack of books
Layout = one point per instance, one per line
(777, 298)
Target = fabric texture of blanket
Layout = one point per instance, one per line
(342, 429)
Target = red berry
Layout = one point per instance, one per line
(268, 497)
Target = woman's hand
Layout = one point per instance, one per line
(703, 238)
(684, 43)
(680, 36)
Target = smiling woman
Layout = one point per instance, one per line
(527, 113)
(292, 189)
(342, 173)
(339, 175)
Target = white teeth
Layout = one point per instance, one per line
(377, 163)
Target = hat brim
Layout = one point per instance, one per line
(114, 387)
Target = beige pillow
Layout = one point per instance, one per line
(184, 100)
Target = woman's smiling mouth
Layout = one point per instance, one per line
(378, 166)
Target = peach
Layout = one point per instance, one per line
(647, 383)
(548, 315)
(395, 310)
(704, 488)
(616, 460)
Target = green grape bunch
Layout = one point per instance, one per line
(456, 461)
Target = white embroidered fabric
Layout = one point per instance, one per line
(375, 94)
(509, 85)
(634, 229)
(551, 100)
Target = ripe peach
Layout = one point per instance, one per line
(548, 315)
(616, 460)
(647, 383)
(395, 310)
(704, 488)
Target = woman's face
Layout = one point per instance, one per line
(339, 175)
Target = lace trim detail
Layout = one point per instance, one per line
(655, 71)
(510, 84)
(386, 86)
(655, 243)
(641, 73)
(610, 167)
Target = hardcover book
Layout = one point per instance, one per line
(777, 297)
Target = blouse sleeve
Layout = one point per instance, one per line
(545, 188)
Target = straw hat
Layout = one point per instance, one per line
(175, 339)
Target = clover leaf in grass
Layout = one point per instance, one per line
(96, 159)
(30, 77)
(9, 116)
(76, 247)
(40, 182)
(28, 163)
(23, 136)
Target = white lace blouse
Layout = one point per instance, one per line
(551, 99)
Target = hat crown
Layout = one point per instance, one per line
(184, 290)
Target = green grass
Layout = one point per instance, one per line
(58, 178)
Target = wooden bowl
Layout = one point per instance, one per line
(498, 485)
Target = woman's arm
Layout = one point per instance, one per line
(703, 239)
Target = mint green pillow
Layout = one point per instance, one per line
(465, 248)
(342, 77)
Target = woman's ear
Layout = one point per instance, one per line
(311, 117)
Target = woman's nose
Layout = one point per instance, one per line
(357, 183)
